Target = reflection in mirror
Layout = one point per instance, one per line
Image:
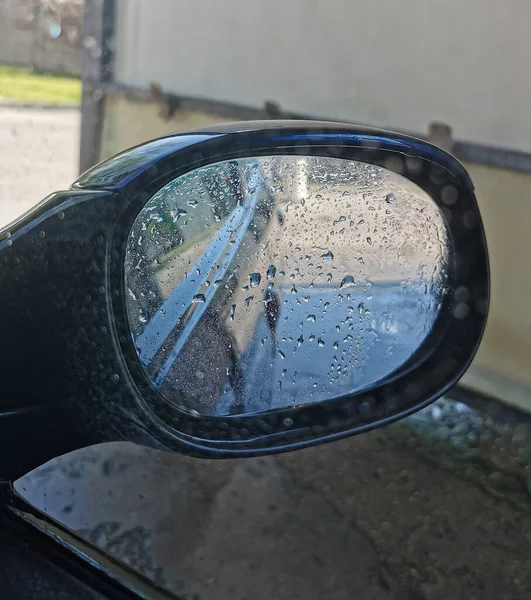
(265, 283)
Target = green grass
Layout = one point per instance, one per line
(25, 85)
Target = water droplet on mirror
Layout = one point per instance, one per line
(369, 240)
(347, 281)
(293, 290)
(461, 311)
(248, 301)
(327, 256)
(449, 195)
(300, 341)
(364, 407)
(232, 311)
(255, 279)
(320, 342)
(390, 198)
(281, 354)
(193, 203)
(275, 188)
(180, 213)
(311, 318)
(271, 272)
(198, 299)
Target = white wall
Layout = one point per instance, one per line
(395, 63)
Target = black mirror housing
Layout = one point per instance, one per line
(72, 376)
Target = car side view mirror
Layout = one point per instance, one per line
(241, 290)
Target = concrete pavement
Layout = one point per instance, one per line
(38, 155)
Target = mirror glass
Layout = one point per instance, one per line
(265, 283)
